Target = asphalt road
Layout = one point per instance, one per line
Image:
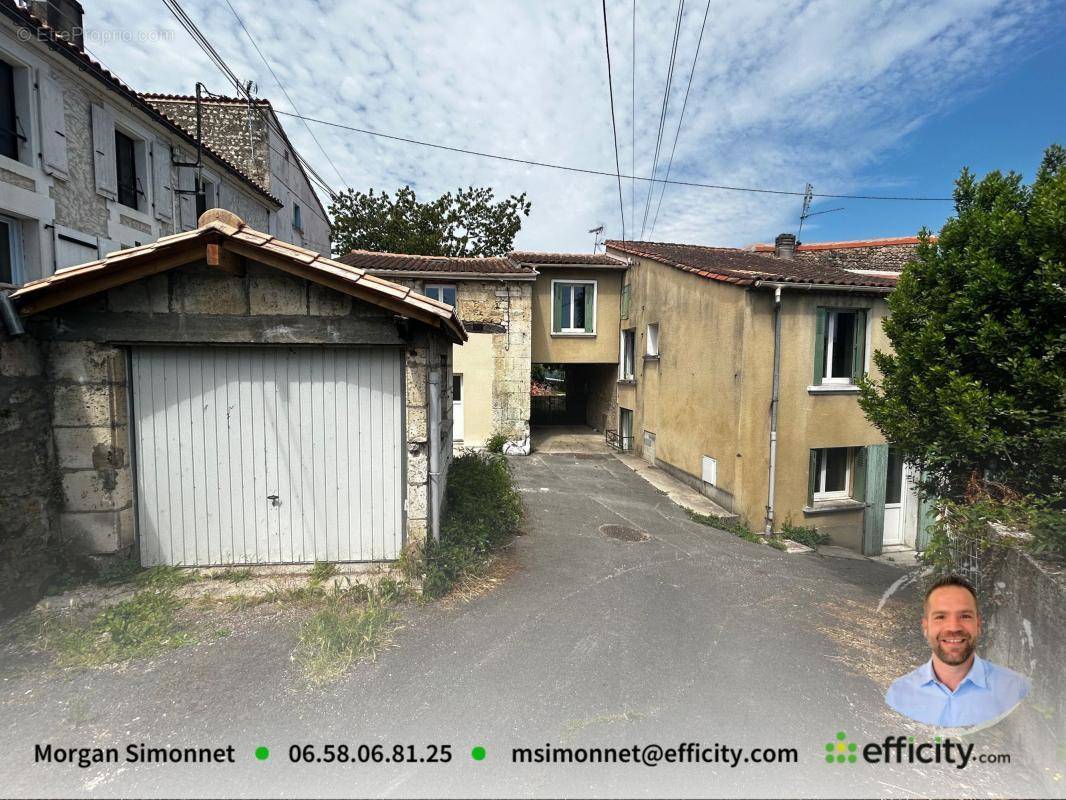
(689, 636)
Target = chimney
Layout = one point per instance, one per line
(64, 17)
(785, 246)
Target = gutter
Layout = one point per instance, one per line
(824, 287)
(410, 273)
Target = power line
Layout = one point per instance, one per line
(633, 125)
(681, 119)
(663, 112)
(614, 126)
(285, 91)
(585, 171)
(198, 37)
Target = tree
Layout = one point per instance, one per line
(466, 223)
(975, 388)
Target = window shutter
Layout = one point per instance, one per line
(625, 302)
(873, 522)
(162, 194)
(186, 202)
(812, 477)
(590, 305)
(557, 316)
(858, 475)
(819, 347)
(858, 366)
(53, 128)
(104, 152)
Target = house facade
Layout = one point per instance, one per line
(737, 373)
(493, 297)
(89, 166)
(217, 397)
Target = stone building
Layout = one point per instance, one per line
(491, 371)
(173, 400)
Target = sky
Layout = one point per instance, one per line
(870, 97)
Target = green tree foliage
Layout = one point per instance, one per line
(975, 389)
(469, 222)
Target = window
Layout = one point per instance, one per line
(10, 251)
(837, 473)
(297, 218)
(210, 195)
(126, 170)
(441, 292)
(840, 345)
(894, 478)
(652, 342)
(574, 307)
(9, 132)
(629, 346)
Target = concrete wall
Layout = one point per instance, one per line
(66, 392)
(1022, 599)
(708, 393)
(569, 348)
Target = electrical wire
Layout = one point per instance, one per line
(681, 119)
(585, 171)
(663, 112)
(614, 126)
(633, 125)
(285, 91)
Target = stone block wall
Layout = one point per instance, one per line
(28, 477)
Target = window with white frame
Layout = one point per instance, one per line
(840, 346)
(652, 340)
(831, 479)
(445, 293)
(574, 307)
(11, 268)
(628, 348)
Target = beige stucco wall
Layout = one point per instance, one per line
(709, 392)
(598, 348)
(495, 365)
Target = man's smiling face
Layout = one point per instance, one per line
(951, 624)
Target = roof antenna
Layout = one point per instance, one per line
(597, 243)
(808, 196)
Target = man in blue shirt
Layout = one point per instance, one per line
(955, 688)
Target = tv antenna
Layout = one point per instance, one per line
(597, 242)
(808, 196)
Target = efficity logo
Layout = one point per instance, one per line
(899, 750)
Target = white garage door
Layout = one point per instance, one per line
(268, 455)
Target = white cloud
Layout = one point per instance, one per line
(785, 92)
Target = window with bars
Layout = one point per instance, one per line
(126, 169)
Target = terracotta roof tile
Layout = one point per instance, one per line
(598, 259)
(745, 267)
(409, 262)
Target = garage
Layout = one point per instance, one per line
(221, 397)
(268, 455)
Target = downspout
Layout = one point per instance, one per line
(434, 454)
(773, 412)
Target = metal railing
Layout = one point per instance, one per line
(617, 441)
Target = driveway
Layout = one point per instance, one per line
(690, 635)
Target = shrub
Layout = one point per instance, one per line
(495, 443)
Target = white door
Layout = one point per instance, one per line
(896, 490)
(268, 455)
(457, 408)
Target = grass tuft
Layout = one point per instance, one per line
(322, 571)
(804, 535)
(233, 575)
(333, 639)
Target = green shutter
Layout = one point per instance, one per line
(858, 364)
(819, 347)
(926, 518)
(557, 299)
(624, 314)
(873, 520)
(812, 477)
(858, 475)
(590, 304)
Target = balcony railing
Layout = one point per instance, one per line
(617, 441)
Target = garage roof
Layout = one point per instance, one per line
(220, 238)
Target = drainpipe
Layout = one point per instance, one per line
(12, 320)
(434, 454)
(773, 412)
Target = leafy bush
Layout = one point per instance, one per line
(483, 510)
(495, 443)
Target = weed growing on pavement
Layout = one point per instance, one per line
(736, 527)
(802, 534)
(233, 575)
(322, 571)
(334, 638)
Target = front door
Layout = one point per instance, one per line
(457, 408)
(897, 492)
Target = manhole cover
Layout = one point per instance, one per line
(623, 533)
